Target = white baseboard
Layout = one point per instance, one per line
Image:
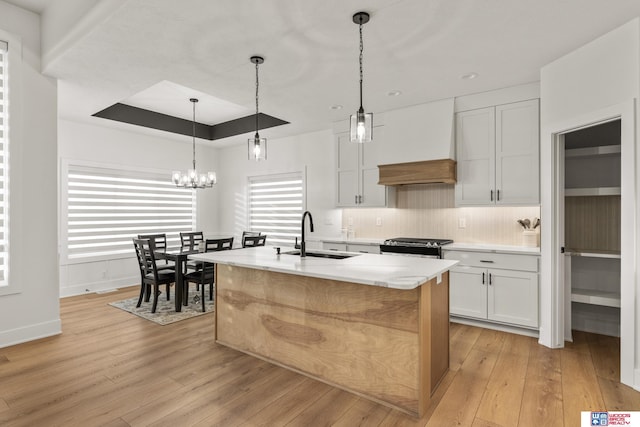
(107, 285)
(495, 326)
(636, 380)
(30, 333)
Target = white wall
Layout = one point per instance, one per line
(122, 147)
(34, 311)
(585, 85)
(313, 151)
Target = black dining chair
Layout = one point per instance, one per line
(160, 243)
(150, 276)
(206, 274)
(250, 241)
(191, 239)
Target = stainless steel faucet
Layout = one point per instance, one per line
(303, 250)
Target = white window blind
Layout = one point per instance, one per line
(276, 204)
(4, 181)
(106, 208)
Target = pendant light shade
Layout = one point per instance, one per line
(191, 178)
(256, 146)
(361, 128)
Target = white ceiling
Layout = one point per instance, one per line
(159, 53)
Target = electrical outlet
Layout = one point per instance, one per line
(462, 223)
(378, 221)
(328, 221)
(350, 220)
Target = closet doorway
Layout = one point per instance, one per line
(592, 229)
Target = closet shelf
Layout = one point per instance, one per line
(592, 296)
(593, 151)
(593, 253)
(592, 191)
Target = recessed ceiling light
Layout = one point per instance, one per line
(336, 107)
(394, 93)
(469, 76)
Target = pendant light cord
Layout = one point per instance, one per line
(257, 87)
(361, 50)
(194, 134)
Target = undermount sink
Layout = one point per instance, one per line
(322, 254)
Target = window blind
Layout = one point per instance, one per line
(276, 204)
(106, 208)
(4, 151)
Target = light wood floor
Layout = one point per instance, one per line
(110, 368)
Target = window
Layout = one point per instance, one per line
(276, 204)
(4, 176)
(106, 207)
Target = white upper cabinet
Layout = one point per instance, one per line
(357, 172)
(498, 155)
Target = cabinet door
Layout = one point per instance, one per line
(372, 193)
(364, 248)
(468, 291)
(475, 153)
(513, 297)
(517, 153)
(346, 170)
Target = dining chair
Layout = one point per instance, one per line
(191, 239)
(206, 274)
(160, 243)
(256, 240)
(150, 276)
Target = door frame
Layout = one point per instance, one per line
(552, 289)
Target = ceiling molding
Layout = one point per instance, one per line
(153, 120)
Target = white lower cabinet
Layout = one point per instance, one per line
(369, 248)
(506, 292)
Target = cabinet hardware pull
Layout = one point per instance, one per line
(490, 279)
(491, 197)
(360, 198)
(483, 278)
(498, 195)
(486, 260)
(355, 199)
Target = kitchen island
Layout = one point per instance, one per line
(375, 325)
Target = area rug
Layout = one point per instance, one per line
(166, 310)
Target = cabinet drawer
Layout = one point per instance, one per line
(369, 249)
(494, 260)
(334, 246)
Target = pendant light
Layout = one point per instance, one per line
(191, 179)
(257, 147)
(361, 122)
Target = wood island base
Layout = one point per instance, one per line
(388, 345)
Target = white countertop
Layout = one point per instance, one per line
(485, 247)
(398, 272)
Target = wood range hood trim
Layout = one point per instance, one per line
(441, 171)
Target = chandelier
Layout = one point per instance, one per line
(361, 129)
(257, 147)
(191, 178)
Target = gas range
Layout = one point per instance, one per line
(414, 246)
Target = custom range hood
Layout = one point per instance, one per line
(420, 145)
(441, 171)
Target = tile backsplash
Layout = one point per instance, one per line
(428, 210)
